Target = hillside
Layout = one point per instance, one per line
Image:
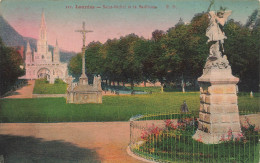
(9, 36)
(12, 38)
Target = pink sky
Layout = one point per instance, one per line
(25, 17)
(72, 41)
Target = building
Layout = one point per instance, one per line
(41, 62)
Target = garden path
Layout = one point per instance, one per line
(107, 141)
(24, 92)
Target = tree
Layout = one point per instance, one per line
(252, 19)
(112, 63)
(75, 66)
(160, 59)
(10, 70)
(242, 49)
(130, 65)
(186, 47)
(157, 35)
(144, 60)
(93, 58)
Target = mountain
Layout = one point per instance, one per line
(12, 38)
(9, 36)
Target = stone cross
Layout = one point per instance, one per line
(83, 31)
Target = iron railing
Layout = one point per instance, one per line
(167, 137)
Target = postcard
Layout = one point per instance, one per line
(129, 80)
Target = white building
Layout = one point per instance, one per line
(42, 63)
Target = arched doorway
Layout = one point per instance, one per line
(43, 73)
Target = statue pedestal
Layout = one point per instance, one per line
(218, 116)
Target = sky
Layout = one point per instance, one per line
(109, 18)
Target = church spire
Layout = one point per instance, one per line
(57, 43)
(42, 44)
(28, 48)
(43, 24)
(28, 53)
(43, 28)
(56, 53)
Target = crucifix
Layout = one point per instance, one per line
(83, 31)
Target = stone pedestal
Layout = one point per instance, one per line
(218, 116)
(82, 92)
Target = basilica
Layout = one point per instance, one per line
(41, 62)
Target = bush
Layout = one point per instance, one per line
(42, 81)
(59, 81)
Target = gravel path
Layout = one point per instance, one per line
(66, 142)
(24, 92)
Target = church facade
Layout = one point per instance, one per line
(43, 63)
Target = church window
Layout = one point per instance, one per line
(42, 56)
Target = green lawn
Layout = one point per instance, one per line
(113, 108)
(43, 87)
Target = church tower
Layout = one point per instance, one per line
(28, 54)
(42, 62)
(56, 53)
(42, 44)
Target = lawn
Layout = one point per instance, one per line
(43, 87)
(113, 108)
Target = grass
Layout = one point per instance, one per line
(43, 87)
(247, 103)
(113, 108)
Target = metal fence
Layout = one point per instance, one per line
(167, 137)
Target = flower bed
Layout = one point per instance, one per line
(171, 141)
